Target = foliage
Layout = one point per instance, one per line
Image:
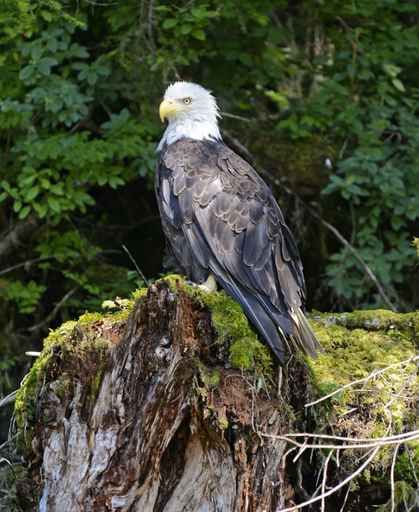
(307, 81)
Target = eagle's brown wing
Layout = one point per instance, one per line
(220, 216)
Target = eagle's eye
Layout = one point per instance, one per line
(187, 101)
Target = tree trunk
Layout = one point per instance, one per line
(157, 434)
(144, 412)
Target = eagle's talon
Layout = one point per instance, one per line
(209, 286)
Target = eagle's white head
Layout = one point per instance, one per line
(191, 111)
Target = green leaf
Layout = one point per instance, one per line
(169, 23)
(391, 70)
(185, 29)
(54, 204)
(24, 212)
(398, 84)
(199, 34)
(44, 65)
(26, 72)
(17, 205)
(41, 209)
(47, 16)
(32, 193)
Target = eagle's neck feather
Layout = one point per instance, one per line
(198, 129)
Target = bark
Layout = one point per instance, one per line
(156, 437)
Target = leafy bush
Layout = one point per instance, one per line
(300, 82)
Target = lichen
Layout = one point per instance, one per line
(210, 378)
(247, 352)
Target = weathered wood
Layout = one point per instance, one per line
(156, 437)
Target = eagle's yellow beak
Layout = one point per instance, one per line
(167, 109)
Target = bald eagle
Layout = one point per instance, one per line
(223, 224)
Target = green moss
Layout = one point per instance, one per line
(90, 318)
(88, 347)
(352, 353)
(26, 396)
(355, 344)
(231, 325)
(377, 319)
(210, 379)
(407, 463)
(405, 498)
(139, 294)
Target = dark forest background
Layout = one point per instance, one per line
(322, 95)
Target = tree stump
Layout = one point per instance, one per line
(143, 411)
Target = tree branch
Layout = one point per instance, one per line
(27, 264)
(16, 236)
(55, 311)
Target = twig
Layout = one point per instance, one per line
(356, 255)
(393, 464)
(8, 398)
(326, 464)
(300, 451)
(348, 490)
(336, 487)
(394, 437)
(364, 379)
(150, 26)
(25, 264)
(412, 464)
(137, 268)
(235, 116)
(371, 443)
(10, 440)
(55, 311)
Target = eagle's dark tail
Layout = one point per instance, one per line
(282, 332)
(303, 337)
(257, 315)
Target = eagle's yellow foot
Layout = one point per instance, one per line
(210, 285)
